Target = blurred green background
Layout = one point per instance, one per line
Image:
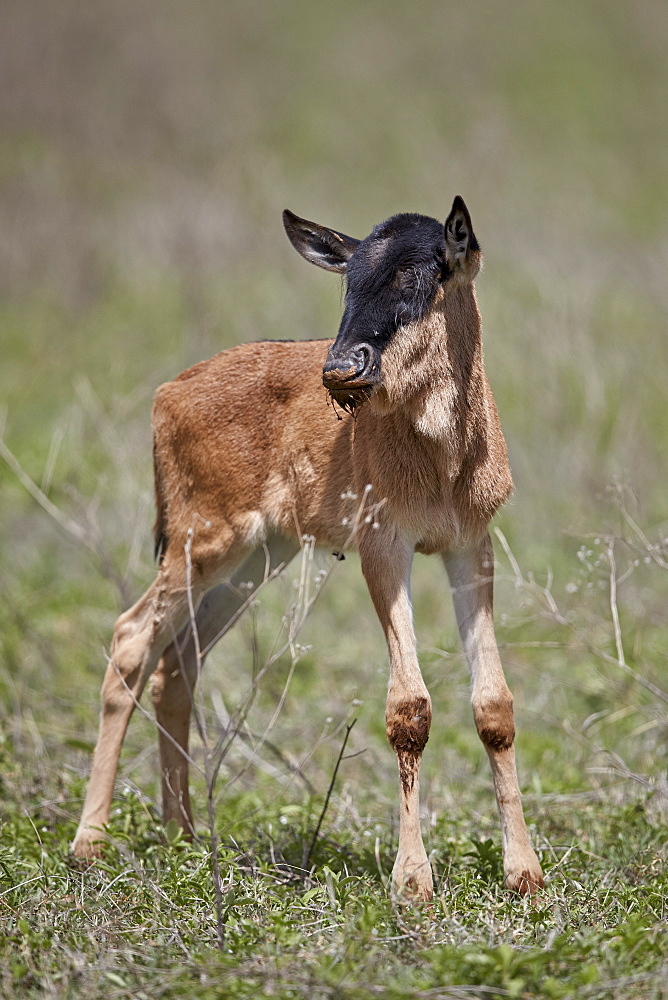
(147, 152)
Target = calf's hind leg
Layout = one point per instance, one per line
(173, 684)
(140, 636)
(471, 576)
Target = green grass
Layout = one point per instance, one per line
(143, 922)
(147, 152)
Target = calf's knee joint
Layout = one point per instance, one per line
(407, 725)
(495, 722)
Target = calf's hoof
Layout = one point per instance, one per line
(526, 882)
(87, 844)
(413, 883)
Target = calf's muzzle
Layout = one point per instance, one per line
(351, 375)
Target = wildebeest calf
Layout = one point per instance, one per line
(251, 455)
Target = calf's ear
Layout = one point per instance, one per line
(318, 244)
(461, 247)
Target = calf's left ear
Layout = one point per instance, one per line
(318, 244)
(462, 250)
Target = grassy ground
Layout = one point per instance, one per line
(147, 151)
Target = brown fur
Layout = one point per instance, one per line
(495, 723)
(232, 452)
(407, 728)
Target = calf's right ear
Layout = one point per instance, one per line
(462, 250)
(319, 245)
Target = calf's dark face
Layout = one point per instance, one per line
(392, 279)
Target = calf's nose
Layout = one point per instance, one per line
(359, 364)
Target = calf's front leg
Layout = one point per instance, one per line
(386, 566)
(471, 576)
